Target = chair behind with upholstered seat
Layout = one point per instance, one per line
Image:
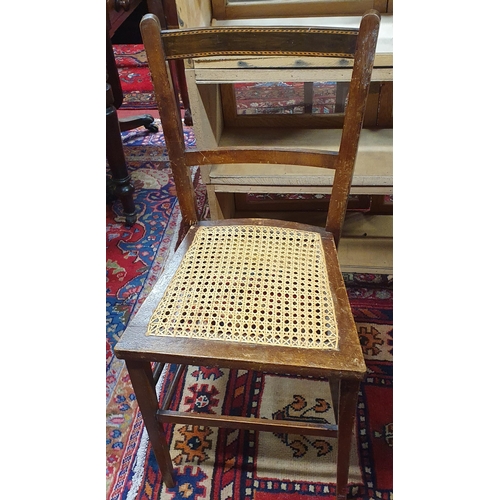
(254, 294)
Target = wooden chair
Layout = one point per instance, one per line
(253, 294)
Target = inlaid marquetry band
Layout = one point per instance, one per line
(259, 52)
(233, 41)
(254, 284)
(249, 30)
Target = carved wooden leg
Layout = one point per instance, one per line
(348, 400)
(141, 377)
(123, 187)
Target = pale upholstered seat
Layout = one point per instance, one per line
(252, 294)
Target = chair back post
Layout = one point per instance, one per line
(353, 121)
(171, 121)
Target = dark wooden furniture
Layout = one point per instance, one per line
(255, 294)
(121, 186)
(116, 13)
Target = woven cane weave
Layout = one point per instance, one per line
(257, 284)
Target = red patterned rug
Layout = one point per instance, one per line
(284, 98)
(134, 75)
(214, 463)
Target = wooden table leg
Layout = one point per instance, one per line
(123, 188)
(141, 377)
(348, 400)
(308, 97)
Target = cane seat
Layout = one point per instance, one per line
(231, 282)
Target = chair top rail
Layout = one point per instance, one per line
(263, 41)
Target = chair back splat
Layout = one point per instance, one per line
(164, 45)
(252, 294)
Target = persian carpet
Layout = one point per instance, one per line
(214, 463)
(137, 87)
(283, 98)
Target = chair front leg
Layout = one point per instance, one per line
(141, 377)
(348, 400)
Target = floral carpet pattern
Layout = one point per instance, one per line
(213, 463)
(135, 78)
(284, 98)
